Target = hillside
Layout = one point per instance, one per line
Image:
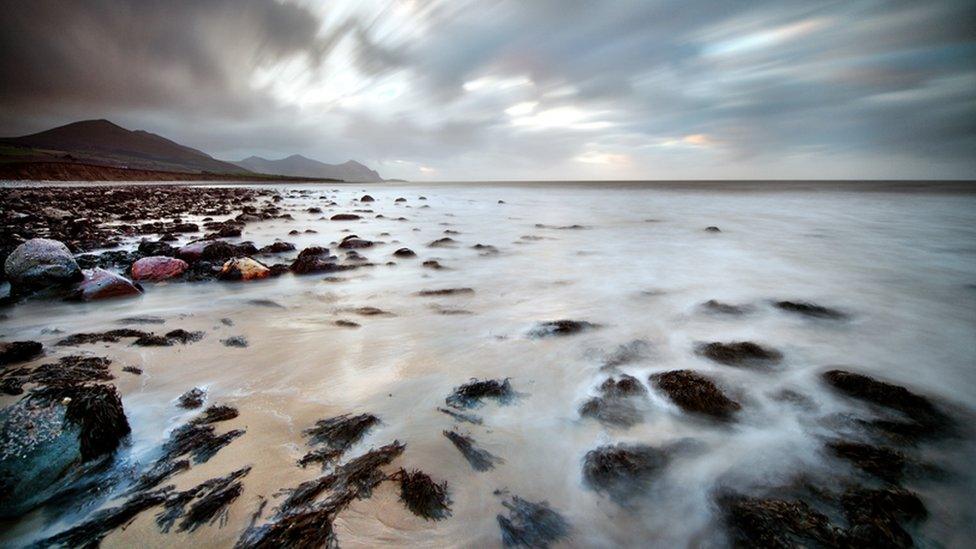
(299, 166)
(104, 143)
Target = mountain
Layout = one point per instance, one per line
(298, 166)
(104, 143)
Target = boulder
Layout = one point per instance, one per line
(158, 268)
(101, 284)
(353, 242)
(405, 252)
(243, 268)
(345, 217)
(366, 198)
(313, 259)
(19, 351)
(50, 433)
(277, 248)
(696, 393)
(41, 263)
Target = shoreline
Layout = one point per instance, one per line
(82, 172)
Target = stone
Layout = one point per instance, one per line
(101, 284)
(41, 263)
(243, 268)
(157, 268)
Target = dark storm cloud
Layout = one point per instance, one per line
(518, 89)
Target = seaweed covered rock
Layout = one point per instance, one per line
(624, 471)
(696, 393)
(876, 517)
(192, 399)
(424, 497)
(739, 353)
(616, 404)
(879, 461)
(471, 394)
(101, 284)
(917, 408)
(48, 433)
(531, 524)
(809, 309)
(767, 522)
(41, 263)
(19, 351)
(551, 328)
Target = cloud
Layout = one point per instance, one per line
(511, 89)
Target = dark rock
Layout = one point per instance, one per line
(180, 335)
(884, 463)
(531, 524)
(616, 406)
(551, 328)
(757, 522)
(712, 229)
(314, 259)
(345, 217)
(739, 353)
(718, 308)
(405, 252)
(445, 292)
(627, 353)
(366, 198)
(431, 264)
(192, 399)
(470, 394)
(370, 311)
(111, 336)
(895, 397)
(445, 242)
(19, 351)
(277, 248)
(809, 309)
(479, 458)
(353, 242)
(132, 370)
(876, 516)
(696, 393)
(148, 248)
(342, 323)
(235, 341)
(400, 199)
(624, 471)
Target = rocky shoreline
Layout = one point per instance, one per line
(78, 171)
(116, 242)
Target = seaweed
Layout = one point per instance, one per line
(530, 524)
(480, 459)
(91, 532)
(424, 497)
(470, 394)
(215, 413)
(337, 435)
(461, 416)
(192, 399)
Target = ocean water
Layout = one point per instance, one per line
(901, 264)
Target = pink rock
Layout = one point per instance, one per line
(244, 268)
(158, 267)
(102, 284)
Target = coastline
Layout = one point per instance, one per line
(79, 171)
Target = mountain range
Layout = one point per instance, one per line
(297, 165)
(103, 143)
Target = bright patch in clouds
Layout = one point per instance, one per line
(594, 157)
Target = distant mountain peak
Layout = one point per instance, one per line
(297, 165)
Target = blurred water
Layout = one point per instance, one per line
(903, 265)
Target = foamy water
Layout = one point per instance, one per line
(902, 265)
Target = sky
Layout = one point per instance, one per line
(518, 90)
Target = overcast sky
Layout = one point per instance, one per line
(522, 89)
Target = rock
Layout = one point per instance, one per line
(757, 522)
(405, 252)
(718, 308)
(876, 516)
(881, 462)
(895, 397)
(695, 393)
(19, 351)
(445, 242)
(616, 406)
(346, 323)
(353, 242)
(51, 432)
(345, 217)
(470, 394)
(314, 259)
(148, 248)
(192, 399)
(243, 268)
(366, 198)
(235, 341)
(809, 309)
(552, 328)
(739, 353)
(101, 284)
(222, 251)
(400, 199)
(41, 263)
(277, 248)
(157, 268)
(445, 292)
(192, 251)
(531, 524)
(627, 353)
(712, 229)
(431, 264)
(623, 471)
